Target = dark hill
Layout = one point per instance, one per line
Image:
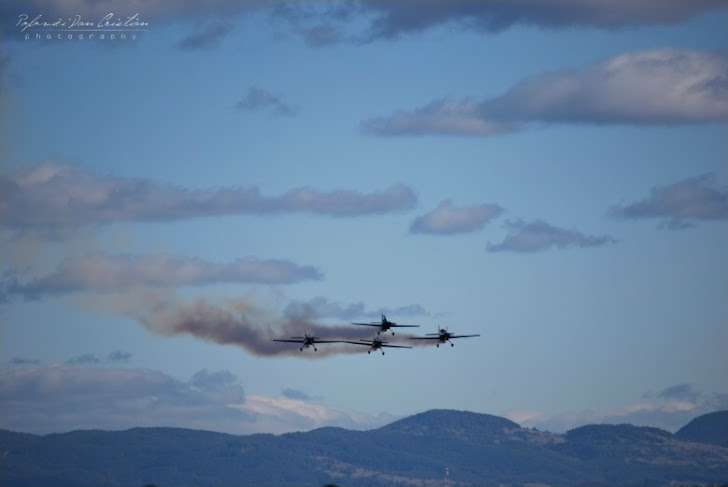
(477, 449)
(708, 428)
(463, 425)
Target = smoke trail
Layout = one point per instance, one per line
(241, 322)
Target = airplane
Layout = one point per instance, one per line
(307, 341)
(377, 343)
(385, 325)
(442, 336)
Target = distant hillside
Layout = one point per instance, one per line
(477, 450)
(708, 428)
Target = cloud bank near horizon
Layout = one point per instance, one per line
(669, 409)
(652, 87)
(56, 398)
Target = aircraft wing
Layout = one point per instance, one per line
(370, 344)
(301, 340)
(425, 338)
(464, 336)
(406, 326)
(367, 324)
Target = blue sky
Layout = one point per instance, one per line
(220, 174)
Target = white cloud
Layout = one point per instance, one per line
(653, 87)
(680, 203)
(447, 219)
(98, 272)
(537, 236)
(57, 194)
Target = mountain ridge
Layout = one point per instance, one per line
(477, 449)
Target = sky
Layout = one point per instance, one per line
(183, 182)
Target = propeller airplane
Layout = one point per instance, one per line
(306, 341)
(385, 325)
(442, 336)
(377, 343)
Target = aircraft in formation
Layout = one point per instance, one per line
(306, 341)
(442, 336)
(376, 343)
(385, 325)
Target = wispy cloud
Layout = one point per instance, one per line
(208, 37)
(678, 391)
(447, 219)
(118, 356)
(259, 99)
(85, 359)
(680, 204)
(57, 194)
(295, 394)
(210, 381)
(99, 272)
(537, 236)
(115, 357)
(24, 361)
(654, 87)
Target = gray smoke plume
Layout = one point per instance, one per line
(241, 322)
